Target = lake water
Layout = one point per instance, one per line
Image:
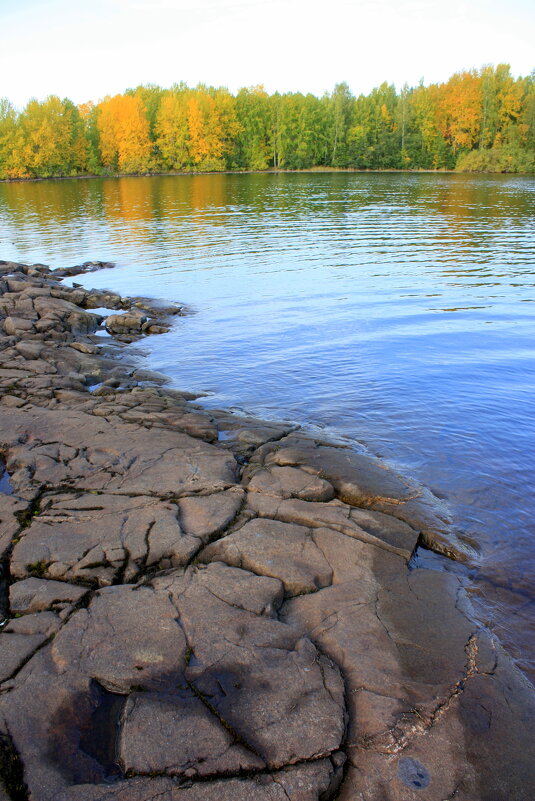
(393, 310)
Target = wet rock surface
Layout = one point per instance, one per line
(200, 606)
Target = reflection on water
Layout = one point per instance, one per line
(396, 310)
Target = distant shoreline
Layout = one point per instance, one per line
(272, 171)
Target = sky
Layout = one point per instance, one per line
(85, 50)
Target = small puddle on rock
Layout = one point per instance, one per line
(413, 774)
(99, 740)
(5, 481)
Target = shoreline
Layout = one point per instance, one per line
(270, 171)
(263, 552)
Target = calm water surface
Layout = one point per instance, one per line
(394, 310)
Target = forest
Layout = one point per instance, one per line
(479, 120)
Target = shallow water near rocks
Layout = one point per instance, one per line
(394, 311)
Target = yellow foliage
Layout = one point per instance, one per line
(172, 131)
(199, 147)
(124, 134)
(48, 133)
(459, 109)
(424, 104)
(510, 99)
(196, 128)
(212, 125)
(86, 109)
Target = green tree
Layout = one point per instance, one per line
(341, 108)
(253, 146)
(477, 120)
(375, 137)
(89, 116)
(151, 96)
(54, 139)
(528, 113)
(11, 142)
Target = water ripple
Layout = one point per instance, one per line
(395, 310)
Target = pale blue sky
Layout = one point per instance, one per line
(85, 50)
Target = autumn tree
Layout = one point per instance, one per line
(124, 134)
(460, 110)
(510, 96)
(212, 127)
(477, 120)
(224, 114)
(429, 126)
(503, 141)
(171, 129)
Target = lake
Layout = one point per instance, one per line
(395, 311)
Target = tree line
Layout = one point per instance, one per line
(479, 120)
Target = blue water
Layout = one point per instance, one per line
(392, 310)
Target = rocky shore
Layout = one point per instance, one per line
(205, 607)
